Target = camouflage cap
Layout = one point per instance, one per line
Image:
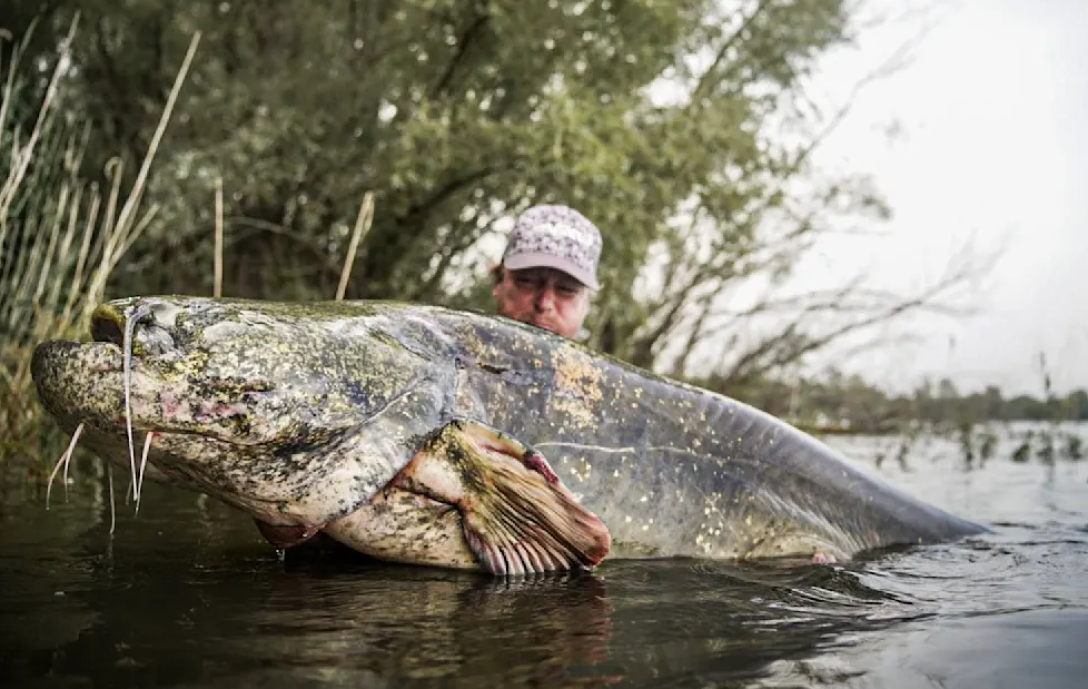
(551, 236)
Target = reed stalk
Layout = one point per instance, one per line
(60, 237)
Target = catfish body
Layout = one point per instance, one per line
(310, 416)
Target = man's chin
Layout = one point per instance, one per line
(542, 324)
(546, 326)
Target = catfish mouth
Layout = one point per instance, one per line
(117, 390)
(149, 349)
(178, 391)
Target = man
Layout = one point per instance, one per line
(549, 269)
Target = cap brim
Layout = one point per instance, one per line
(532, 260)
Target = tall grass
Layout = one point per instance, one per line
(60, 236)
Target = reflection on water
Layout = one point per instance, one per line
(188, 595)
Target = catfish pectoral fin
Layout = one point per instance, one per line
(517, 517)
(522, 524)
(488, 439)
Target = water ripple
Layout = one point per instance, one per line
(187, 595)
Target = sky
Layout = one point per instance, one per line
(990, 152)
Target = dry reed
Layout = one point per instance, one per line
(61, 236)
(67, 236)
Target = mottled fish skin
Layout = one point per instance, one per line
(299, 413)
(676, 470)
(294, 419)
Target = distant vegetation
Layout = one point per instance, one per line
(847, 403)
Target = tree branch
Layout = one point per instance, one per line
(464, 43)
(705, 81)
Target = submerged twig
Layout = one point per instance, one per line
(113, 502)
(65, 460)
(143, 463)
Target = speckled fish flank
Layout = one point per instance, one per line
(325, 415)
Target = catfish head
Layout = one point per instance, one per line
(295, 413)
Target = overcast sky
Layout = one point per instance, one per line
(993, 148)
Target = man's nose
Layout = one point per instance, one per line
(545, 298)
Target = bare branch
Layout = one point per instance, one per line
(464, 43)
(707, 81)
(866, 308)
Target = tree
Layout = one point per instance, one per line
(656, 119)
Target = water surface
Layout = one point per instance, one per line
(186, 594)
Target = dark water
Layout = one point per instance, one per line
(187, 595)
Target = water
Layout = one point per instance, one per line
(186, 594)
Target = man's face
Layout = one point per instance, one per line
(544, 297)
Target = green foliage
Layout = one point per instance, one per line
(60, 236)
(456, 115)
(659, 119)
